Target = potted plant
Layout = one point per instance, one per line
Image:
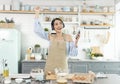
(96, 56)
(37, 48)
(88, 52)
(46, 29)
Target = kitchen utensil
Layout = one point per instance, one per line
(66, 9)
(18, 80)
(74, 32)
(7, 81)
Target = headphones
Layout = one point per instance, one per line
(52, 23)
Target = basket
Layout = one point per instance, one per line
(7, 25)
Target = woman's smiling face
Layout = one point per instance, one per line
(58, 25)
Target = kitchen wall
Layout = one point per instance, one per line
(25, 24)
(117, 30)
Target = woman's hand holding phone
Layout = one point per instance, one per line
(77, 38)
(78, 35)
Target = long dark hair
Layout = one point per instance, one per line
(52, 23)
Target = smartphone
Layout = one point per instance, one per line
(53, 32)
(77, 34)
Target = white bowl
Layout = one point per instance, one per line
(62, 74)
(7, 81)
(18, 80)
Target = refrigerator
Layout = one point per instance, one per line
(10, 48)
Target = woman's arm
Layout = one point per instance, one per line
(72, 49)
(37, 26)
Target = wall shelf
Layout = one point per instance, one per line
(96, 26)
(42, 12)
(97, 13)
(64, 22)
(88, 25)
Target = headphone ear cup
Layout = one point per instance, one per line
(63, 25)
(52, 27)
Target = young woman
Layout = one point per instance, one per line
(61, 45)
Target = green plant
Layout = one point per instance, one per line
(46, 29)
(2, 21)
(97, 54)
(88, 52)
(37, 45)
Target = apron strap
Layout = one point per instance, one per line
(64, 36)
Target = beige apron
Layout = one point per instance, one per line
(57, 56)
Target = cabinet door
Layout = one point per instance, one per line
(70, 67)
(112, 68)
(105, 67)
(79, 67)
(28, 66)
(96, 67)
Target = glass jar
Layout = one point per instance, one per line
(105, 9)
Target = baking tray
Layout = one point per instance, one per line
(83, 78)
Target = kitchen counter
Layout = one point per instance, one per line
(77, 65)
(80, 60)
(93, 60)
(111, 79)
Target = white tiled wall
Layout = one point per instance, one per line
(25, 23)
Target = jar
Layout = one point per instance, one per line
(75, 9)
(91, 9)
(32, 57)
(105, 9)
(38, 56)
(111, 9)
(47, 18)
(27, 7)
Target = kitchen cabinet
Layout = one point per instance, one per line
(105, 67)
(27, 66)
(77, 66)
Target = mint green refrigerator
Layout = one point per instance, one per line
(10, 48)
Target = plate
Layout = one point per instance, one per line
(101, 76)
(19, 76)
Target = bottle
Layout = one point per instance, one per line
(6, 70)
